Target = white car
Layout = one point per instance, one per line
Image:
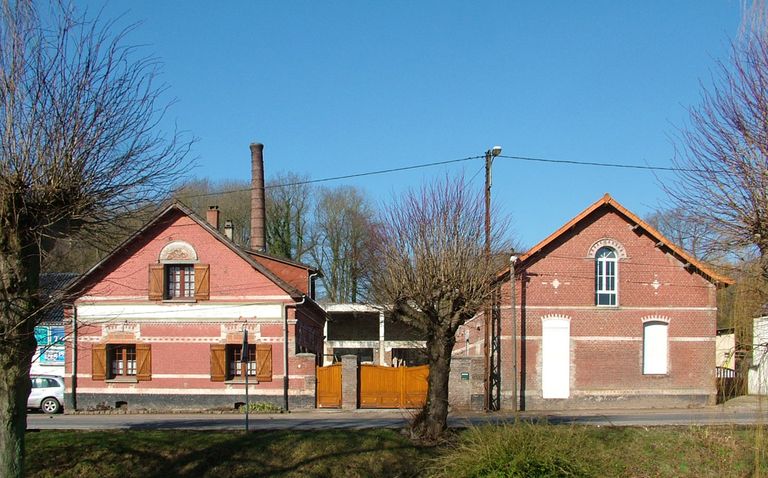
(47, 393)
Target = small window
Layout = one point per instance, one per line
(122, 361)
(180, 281)
(235, 365)
(655, 348)
(227, 363)
(606, 275)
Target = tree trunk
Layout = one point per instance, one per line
(14, 390)
(19, 278)
(430, 424)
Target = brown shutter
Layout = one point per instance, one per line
(202, 282)
(264, 362)
(156, 273)
(218, 363)
(143, 362)
(98, 362)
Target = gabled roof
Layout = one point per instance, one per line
(179, 207)
(608, 201)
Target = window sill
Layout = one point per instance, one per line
(122, 380)
(240, 381)
(179, 301)
(656, 375)
(607, 306)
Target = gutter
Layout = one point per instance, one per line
(285, 349)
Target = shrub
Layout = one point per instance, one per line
(519, 449)
(261, 407)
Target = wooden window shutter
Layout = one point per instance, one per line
(143, 362)
(156, 273)
(218, 363)
(202, 282)
(264, 362)
(98, 362)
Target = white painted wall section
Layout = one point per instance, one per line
(179, 311)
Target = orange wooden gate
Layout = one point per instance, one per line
(329, 386)
(393, 387)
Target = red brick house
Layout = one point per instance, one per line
(609, 313)
(159, 322)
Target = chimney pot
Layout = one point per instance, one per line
(258, 212)
(212, 216)
(229, 229)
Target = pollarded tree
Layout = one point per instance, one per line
(432, 270)
(79, 148)
(723, 160)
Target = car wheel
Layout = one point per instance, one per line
(50, 405)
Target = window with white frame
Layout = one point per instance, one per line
(606, 277)
(655, 348)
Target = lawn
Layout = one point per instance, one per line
(497, 451)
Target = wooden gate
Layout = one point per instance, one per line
(329, 386)
(393, 387)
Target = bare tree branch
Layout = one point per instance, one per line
(80, 151)
(432, 270)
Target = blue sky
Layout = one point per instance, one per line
(334, 88)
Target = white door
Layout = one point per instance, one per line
(556, 358)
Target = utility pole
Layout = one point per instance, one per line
(489, 335)
(513, 295)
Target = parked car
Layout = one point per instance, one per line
(47, 393)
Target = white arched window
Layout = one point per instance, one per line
(606, 276)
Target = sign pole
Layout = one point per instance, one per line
(244, 368)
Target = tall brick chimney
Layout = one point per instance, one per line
(258, 213)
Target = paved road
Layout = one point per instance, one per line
(317, 419)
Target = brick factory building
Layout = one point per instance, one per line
(609, 313)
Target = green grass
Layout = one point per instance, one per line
(512, 450)
(222, 454)
(537, 450)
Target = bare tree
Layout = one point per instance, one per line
(231, 196)
(433, 271)
(288, 206)
(723, 159)
(342, 235)
(80, 147)
(686, 230)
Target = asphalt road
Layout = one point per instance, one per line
(320, 419)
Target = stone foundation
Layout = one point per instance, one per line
(172, 402)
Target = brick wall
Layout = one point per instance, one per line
(606, 343)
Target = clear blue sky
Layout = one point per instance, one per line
(334, 88)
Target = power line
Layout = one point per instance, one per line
(451, 161)
(346, 176)
(603, 165)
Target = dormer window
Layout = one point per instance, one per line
(606, 274)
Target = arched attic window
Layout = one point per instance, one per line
(606, 277)
(178, 275)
